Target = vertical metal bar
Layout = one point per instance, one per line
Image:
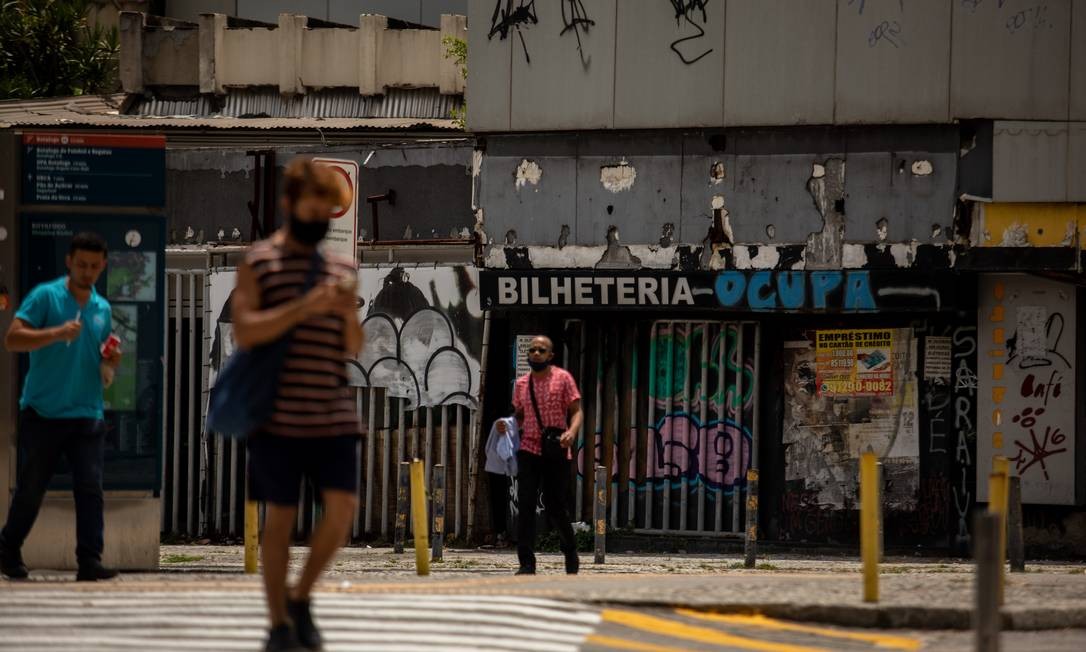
(703, 431)
(401, 438)
(721, 414)
(356, 521)
(165, 397)
(386, 447)
(869, 504)
(402, 484)
(741, 365)
(668, 409)
(208, 439)
(459, 466)
(438, 508)
(233, 486)
(176, 483)
(419, 526)
(190, 408)
(989, 569)
(476, 431)
(751, 543)
(600, 521)
(443, 455)
(371, 436)
(683, 482)
(650, 426)
(1016, 548)
(429, 442)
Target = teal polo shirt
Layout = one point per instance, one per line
(64, 381)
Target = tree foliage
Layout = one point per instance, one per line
(457, 50)
(47, 49)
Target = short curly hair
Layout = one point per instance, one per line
(304, 177)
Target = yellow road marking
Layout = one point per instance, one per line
(626, 644)
(880, 640)
(676, 629)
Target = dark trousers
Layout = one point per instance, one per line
(41, 443)
(533, 472)
(499, 484)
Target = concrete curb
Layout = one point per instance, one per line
(876, 616)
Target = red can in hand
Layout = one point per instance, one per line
(111, 345)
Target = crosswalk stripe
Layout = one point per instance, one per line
(41, 620)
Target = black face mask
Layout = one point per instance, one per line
(307, 233)
(539, 366)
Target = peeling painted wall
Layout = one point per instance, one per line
(207, 191)
(822, 189)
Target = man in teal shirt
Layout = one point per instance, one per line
(62, 324)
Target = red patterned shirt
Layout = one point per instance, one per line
(554, 394)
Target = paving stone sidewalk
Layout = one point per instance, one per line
(915, 593)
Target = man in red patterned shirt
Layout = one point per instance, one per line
(548, 408)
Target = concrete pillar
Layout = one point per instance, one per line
(451, 82)
(212, 35)
(289, 42)
(370, 30)
(131, 55)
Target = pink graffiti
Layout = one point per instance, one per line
(717, 454)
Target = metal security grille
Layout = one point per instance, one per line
(671, 411)
(203, 475)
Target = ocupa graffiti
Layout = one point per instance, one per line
(699, 393)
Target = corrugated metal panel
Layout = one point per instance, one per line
(345, 103)
(85, 104)
(69, 119)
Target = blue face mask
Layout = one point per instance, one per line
(538, 366)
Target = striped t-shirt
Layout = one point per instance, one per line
(313, 398)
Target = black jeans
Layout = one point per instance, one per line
(533, 472)
(499, 484)
(41, 443)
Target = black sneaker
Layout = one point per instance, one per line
(93, 572)
(283, 639)
(304, 627)
(573, 563)
(11, 563)
(525, 570)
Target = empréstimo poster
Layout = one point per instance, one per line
(854, 362)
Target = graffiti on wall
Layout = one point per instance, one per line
(693, 14)
(423, 329)
(849, 291)
(824, 435)
(1027, 380)
(699, 422)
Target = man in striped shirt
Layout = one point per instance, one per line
(313, 432)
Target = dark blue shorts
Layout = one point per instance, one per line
(278, 464)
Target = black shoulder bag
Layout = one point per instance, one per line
(552, 437)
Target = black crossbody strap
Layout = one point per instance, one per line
(535, 405)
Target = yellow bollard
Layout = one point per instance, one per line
(252, 537)
(1002, 466)
(997, 504)
(869, 525)
(418, 518)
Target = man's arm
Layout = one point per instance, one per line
(576, 418)
(22, 338)
(253, 326)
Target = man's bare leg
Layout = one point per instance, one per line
(275, 553)
(329, 536)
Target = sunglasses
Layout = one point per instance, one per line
(536, 349)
